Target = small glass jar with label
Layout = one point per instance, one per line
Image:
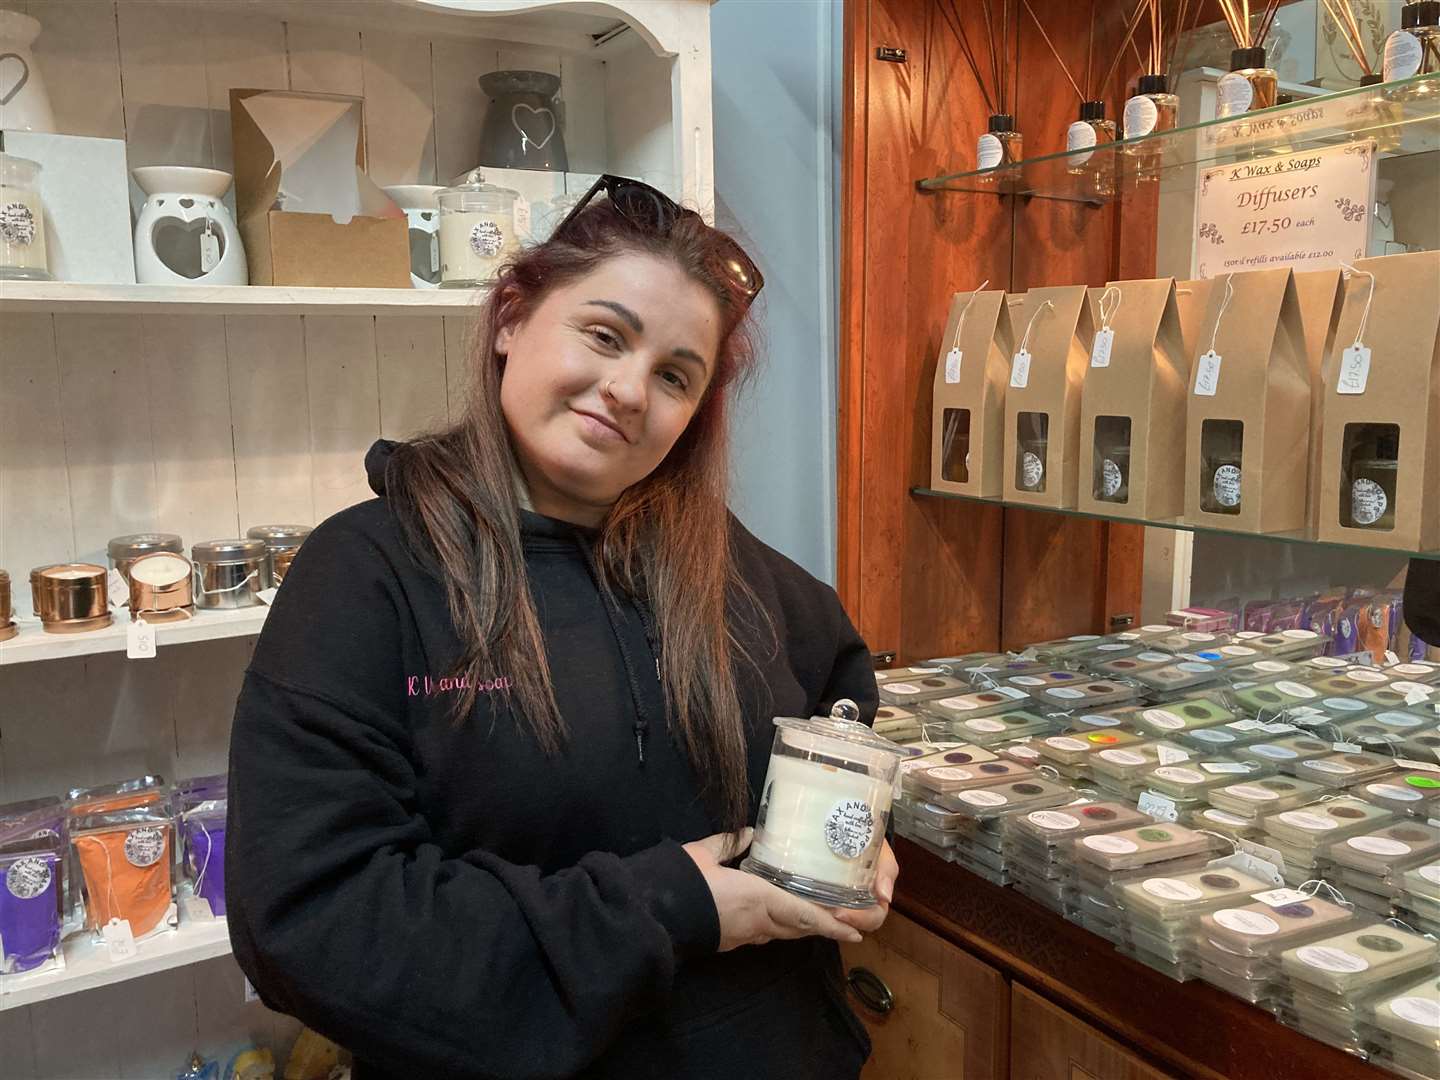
(1220, 478)
(1414, 49)
(477, 231)
(22, 221)
(1031, 449)
(1249, 85)
(826, 802)
(1112, 473)
(1092, 130)
(999, 147)
(1367, 490)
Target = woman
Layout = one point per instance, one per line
(506, 723)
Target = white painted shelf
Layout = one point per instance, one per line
(33, 643)
(72, 297)
(88, 965)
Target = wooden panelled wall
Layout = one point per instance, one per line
(927, 576)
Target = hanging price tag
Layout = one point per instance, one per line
(196, 909)
(522, 216)
(1169, 755)
(952, 366)
(1354, 370)
(139, 640)
(1280, 897)
(118, 589)
(1390, 658)
(119, 940)
(1207, 375)
(209, 251)
(267, 596)
(434, 253)
(250, 994)
(1158, 807)
(1020, 370)
(1100, 351)
(1347, 748)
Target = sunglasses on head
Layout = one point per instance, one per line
(652, 211)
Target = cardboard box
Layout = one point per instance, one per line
(1042, 405)
(1318, 293)
(84, 187)
(1397, 506)
(1248, 413)
(297, 149)
(967, 427)
(1134, 398)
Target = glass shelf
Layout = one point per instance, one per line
(1181, 526)
(1402, 116)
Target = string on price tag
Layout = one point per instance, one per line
(1105, 337)
(953, 357)
(1207, 371)
(1355, 360)
(1020, 368)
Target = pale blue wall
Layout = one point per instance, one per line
(776, 102)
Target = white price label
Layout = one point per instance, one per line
(952, 366)
(119, 940)
(1100, 350)
(118, 589)
(1169, 755)
(1020, 370)
(1281, 897)
(1347, 748)
(522, 215)
(139, 640)
(250, 993)
(1207, 374)
(196, 909)
(1158, 807)
(1225, 766)
(267, 596)
(1354, 370)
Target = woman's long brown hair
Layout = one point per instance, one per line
(666, 541)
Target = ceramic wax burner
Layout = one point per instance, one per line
(24, 104)
(524, 125)
(422, 214)
(185, 234)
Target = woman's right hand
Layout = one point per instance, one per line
(753, 911)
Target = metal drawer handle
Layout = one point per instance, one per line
(871, 990)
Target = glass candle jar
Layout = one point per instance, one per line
(22, 221)
(1001, 145)
(7, 620)
(1248, 86)
(1220, 494)
(230, 573)
(161, 587)
(70, 598)
(124, 550)
(281, 544)
(1371, 501)
(477, 231)
(822, 817)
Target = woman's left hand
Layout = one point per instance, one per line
(868, 920)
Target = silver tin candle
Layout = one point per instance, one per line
(230, 573)
(161, 587)
(7, 621)
(124, 550)
(70, 598)
(281, 544)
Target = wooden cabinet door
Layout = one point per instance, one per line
(947, 1011)
(1048, 1043)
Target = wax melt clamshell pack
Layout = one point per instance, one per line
(1419, 671)
(1034, 793)
(1412, 1013)
(1412, 792)
(1059, 648)
(942, 780)
(1179, 676)
(1286, 752)
(920, 688)
(1224, 737)
(1194, 779)
(1386, 849)
(905, 674)
(1169, 899)
(1259, 930)
(1052, 676)
(1326, 821)
(975, 703)
(1093, 694)
(989, 673)
(1251, 798)
(1073, 749)
(32, 859)
(1268, 670)
(1229, 825)
(1184, 715)
(1050, 828)
(1341, 770)
(1125, 666)
(1359, 958)
(998, 729)
(1293, 644)
(1275, 699)
(1133, 848)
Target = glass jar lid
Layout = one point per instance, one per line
(839, 738)
(473, 193)
(136, 544)
(18, 171)
(279, 537)
(228, 551)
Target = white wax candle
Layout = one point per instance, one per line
(160, 569)
(815, 822)
(473, 244)
(22, 229)
(68, 575)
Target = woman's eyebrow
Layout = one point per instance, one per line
(624, 312)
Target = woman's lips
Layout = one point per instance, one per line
(601, 427)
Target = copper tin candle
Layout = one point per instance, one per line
(229, 573)
(281, 544)
(124, 550)
(7, 622)
(161, 587)
(70, 597)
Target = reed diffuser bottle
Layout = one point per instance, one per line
(1250, 84)
(1001, 146)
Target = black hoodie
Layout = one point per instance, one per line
(447, 900)
(1422, 600)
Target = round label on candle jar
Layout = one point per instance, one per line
(1171, 889)
(1111, 478)
(1254, 923)
(1378, 845)
(1417, 1010)
(1235, 94)
(486, 239)
(1367, 501)
(1054, 819)
(1303, 819)
(985, 724)
(988, 151)
(1032, 471)
(1163, 718)
(1123, 757)
(1141, 116)
(1111, 845)
(144, 847)
(1227, 483)
(983, 798)
(17, 222)
(1328, 958)
(29, 877)
(1403, 55)
(849, 827)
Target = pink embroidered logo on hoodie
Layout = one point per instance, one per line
(424, 685)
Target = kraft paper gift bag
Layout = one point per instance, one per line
(1132, 428)
(1042, 398)
(1318, 293)
(968, 412)
(1192, 300)
(1380, 477)
(1248, 411)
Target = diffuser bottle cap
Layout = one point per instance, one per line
(1247, 58)
(1409, 16)
(1092, 110)
(1152, 84)
(1427, 13)
(1001, 122)
(1371, 79)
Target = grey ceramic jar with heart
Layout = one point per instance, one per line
(524, 126)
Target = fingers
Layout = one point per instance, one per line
(886, 875)
(722, 847)
(865, 920)
(793, 917)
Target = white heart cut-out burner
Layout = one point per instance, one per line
(177, 244)
(8, 90)
(525, 136)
